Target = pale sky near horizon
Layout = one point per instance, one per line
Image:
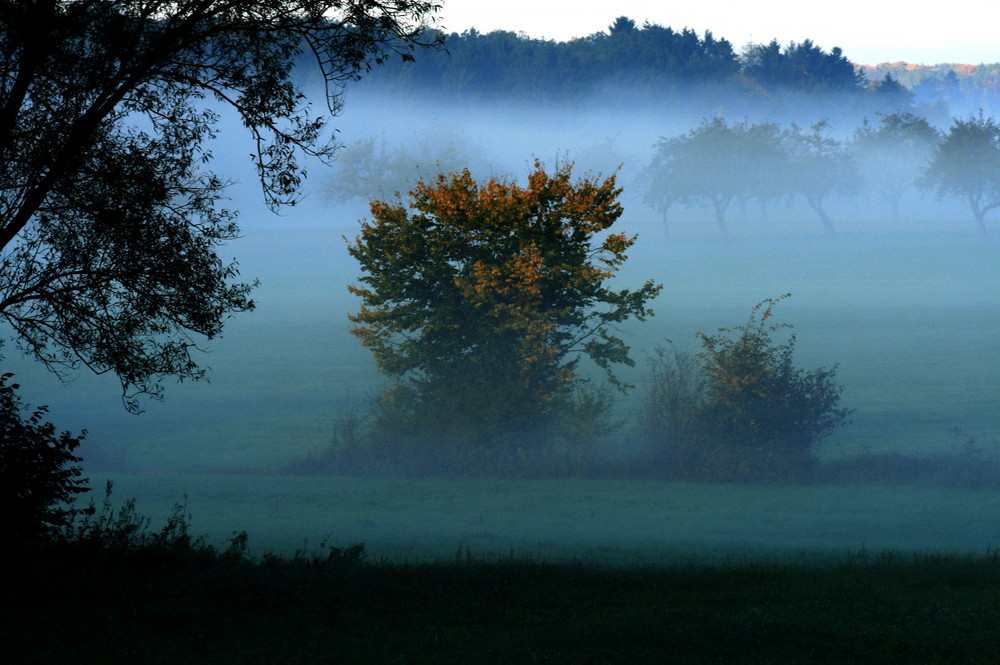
(869, 31)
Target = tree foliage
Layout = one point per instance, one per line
(892, 154)
(650, 58)
(801, 67)
(483, 299)
(819, 166)
(110, 219)
(966, 165)
(38, 476)
(716, 163)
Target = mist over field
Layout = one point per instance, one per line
(906, 306)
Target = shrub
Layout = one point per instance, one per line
(675, 393)
(38, 475)
(751, 414)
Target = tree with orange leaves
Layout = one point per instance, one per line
(482, 301)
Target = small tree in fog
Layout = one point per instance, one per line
(893, 153)
(675, 393)
(370, 170)
(819, 166)
(967, 166)
(481, 302)
(715, 163)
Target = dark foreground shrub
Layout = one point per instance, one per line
(38, 473)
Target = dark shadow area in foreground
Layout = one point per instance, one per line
(181, 602)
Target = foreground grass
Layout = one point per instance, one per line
(197, 605)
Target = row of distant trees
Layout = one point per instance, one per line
(719, 163)
(663, 62)
(722, 165)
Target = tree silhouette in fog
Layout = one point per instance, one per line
(110, 221)
(717, 163)
(481, 302)
(966, 165)
(819, 166)
(890, 96)
(892, 154)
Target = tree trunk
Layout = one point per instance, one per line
(720, 206)
(980, 215)
(816, 203)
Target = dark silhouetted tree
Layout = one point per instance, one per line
(482, 302)
(966, 165)
(110, 222)
(801, 67)
(622, 24)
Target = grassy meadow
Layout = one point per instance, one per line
(911, 321)
(607, 521)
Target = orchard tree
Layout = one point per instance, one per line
(715, 163)
(892, 154)
(482, 300)
(818, 167)
(370, 170)
(110, 219)
(967, 166)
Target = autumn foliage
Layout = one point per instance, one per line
(480, 300)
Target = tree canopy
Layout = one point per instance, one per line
(716, 162)
(110, 219)
(482, 301)
(966, 165)
(892, 153)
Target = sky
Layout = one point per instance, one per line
(869, 31)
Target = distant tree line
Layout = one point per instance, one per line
(718, 163)
(936, 89)
(746, 167)
(659, 62)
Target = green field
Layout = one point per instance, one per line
(911, 321)
(607, 521)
